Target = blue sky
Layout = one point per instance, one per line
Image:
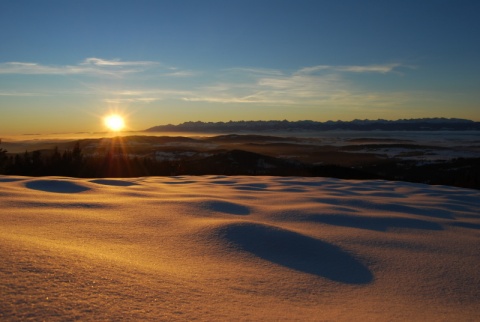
(65, 64)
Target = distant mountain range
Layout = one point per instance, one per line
(423, 124)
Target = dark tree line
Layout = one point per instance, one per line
(35, 163)
(73, 163)
(3, 158)
(114, 162)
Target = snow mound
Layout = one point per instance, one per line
(375, 223)
(220, 248)
(119, 183)
(297, 251)
(225, 207)
(57, 186)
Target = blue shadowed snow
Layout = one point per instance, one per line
(57, 186)
(375, 223)
(119, 183)
(298, 252)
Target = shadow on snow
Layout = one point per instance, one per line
(56, 186)
(375, 223)
(298, 252)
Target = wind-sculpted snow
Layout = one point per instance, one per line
(121, 183)
(298, 252)
(237, 248)
(224, 207)
(374, 223)
(58, 186)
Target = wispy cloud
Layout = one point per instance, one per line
(131, 100)
(90, 67)
(382, 69)
(315, 85)
(143, 96)
(255, 71)
(116, 62)
(29, 68)
(319, 85)
(181, 73)
(21, 94)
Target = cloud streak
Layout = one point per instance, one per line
(89, 67)
(319, 85)
(131, 100)
(21, 94)
(315, 85)
(143, 96)
(116, 62)
(381, 69)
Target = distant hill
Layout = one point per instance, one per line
(423, 124)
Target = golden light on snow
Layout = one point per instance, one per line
(114, 122)
(216, 248)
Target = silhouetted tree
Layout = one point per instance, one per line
(18, 164)
(36, 164)
(55, 162)
(3, 158)
(76, 165)
(77, 152)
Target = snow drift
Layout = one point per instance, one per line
(237, 248)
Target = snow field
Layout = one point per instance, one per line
(237, 248)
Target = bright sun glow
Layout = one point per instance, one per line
(114, 122)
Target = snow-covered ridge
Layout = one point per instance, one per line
(237, 248)
(422, 124)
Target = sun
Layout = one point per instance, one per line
(114, 122)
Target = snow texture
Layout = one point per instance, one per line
(237, 248)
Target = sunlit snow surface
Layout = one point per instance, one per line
(237, 248)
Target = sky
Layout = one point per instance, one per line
(64, 65)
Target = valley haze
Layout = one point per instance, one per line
(433, 151)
